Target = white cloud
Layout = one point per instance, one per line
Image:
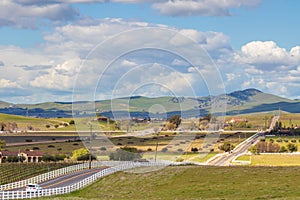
(201, 7)
(28, 13)
(268, 55)
(4, 84)
(51, 67)
(27, 16)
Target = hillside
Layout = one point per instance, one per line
(192, 182)
(243, 102)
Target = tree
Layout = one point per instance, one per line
(2, 144)
(175, 119)
(86, 157)
(72, 122)
(125, 154)
(194, 149)
(254, 149)
(292, 147)
(283, 149)
(79, 152)
(226, 147)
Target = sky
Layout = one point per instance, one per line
(64, 50)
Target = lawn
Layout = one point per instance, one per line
(196, 182)
(275, 160)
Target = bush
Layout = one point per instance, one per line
(125, 154)
(72, 122)
(194, 149)
(56, 125)
(283, 149)
(47, 126)
(164, 149)
(294, 141)
(103, 148)
(86, 157)
(180, 150)
(51, 146)
(149, 149)
(279, 140)
(36, 148)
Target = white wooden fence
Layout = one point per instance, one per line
(4, 195)
(44, 177)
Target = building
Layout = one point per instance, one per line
(30, 156)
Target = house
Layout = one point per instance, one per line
(30, 156)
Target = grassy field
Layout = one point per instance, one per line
(191, 182)
(275, 160)
(52, 148)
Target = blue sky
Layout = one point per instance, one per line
(42, 44)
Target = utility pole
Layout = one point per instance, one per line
(90, 150)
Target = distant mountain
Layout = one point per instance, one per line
(243, 101)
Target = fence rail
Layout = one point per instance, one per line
(44, 177)
(5, 195)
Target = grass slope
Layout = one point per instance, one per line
(191, 182)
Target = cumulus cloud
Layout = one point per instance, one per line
(51, 68)
(5, 83)
(267, 55)
(27, 16)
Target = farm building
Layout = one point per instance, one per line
(29, 156)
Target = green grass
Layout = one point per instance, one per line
(275, 160)
(192, 182)
(243, 158)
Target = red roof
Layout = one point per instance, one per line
(15, 153)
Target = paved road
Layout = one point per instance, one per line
(67, 179)
(226, 158)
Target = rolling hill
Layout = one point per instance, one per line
(243, 102)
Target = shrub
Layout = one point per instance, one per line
(51, 146)
(180, 150)
(103, 149)
(47, 126)
(164, 149)
(35, 148)
(125, 154)
(149, 149)
(283, 149)
(194, 149)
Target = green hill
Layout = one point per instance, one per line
(243, 102)
(195, 182)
